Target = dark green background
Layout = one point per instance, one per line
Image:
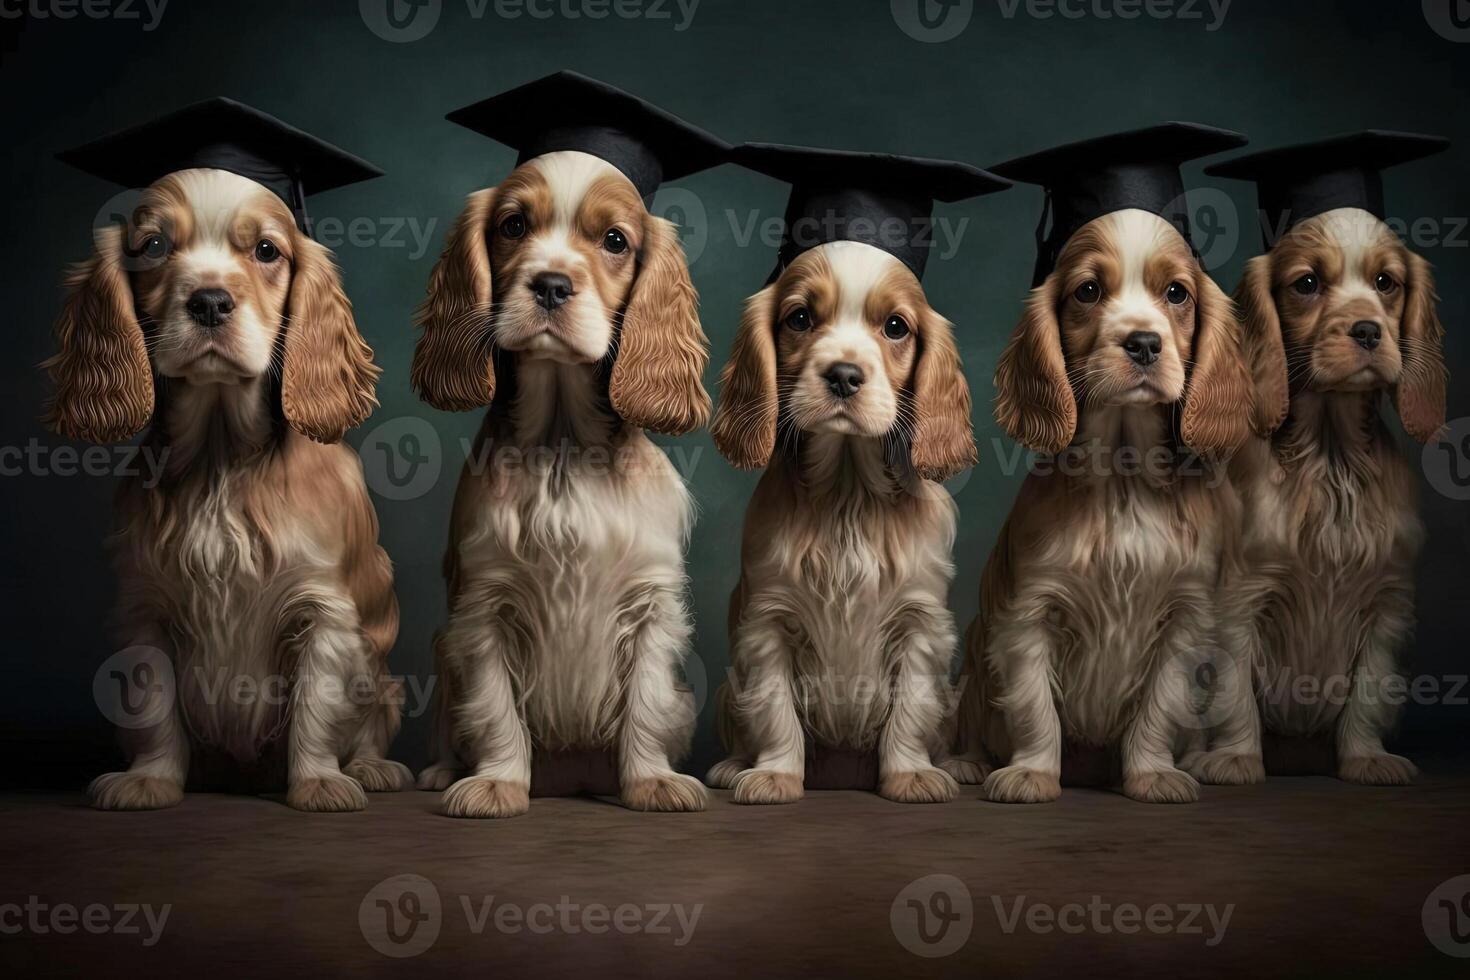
(827, 73)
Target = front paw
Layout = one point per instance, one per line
(483, 797)
(759, 787)
(438, 777)
(966, 772)
(333, 793)
(1017, 784)
(1377, 770)
(134, 791)
(1165, 786)
(1227, 769)
(669, 793)
(924, 786)
(722, 775)
(380, 775)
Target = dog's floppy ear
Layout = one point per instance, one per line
(453, 366)
(1217, 402)
(104, 383)
(744, 428)
(657, 376)
(327, 371)
(944, 440)
(1263, 346)
(1420, 394)
(1034, 402)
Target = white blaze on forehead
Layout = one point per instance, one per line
(570, 174)
(1355, 231)
(1139, 235)
(215, 196)
(858, 268)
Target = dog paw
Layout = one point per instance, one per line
(1226, 769)
(924, 786)
(483, 797)
(1377, 770)
(670, 793)
(722, 775)
(134, 791)
(966, 772)
(1017, 784)
(333, 793)
(379, 775)
(438, 778)
(760, 787)
(1164, 786)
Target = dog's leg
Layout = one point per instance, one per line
(158, 755)
(324, 717)
(367, 758)
(722, 774)
(965, 757)
(1371, 710)
(1167, 706)
(658, 717)
(487, 720)
(765, 709)
(1020, 652)
(920, 660)
(445, 767)
(1229, 753)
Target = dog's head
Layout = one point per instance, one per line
(211, 283)
(1127, 318)
(562, 261)
(1340, 305)
(846, 342)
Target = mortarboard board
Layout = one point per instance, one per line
(1295, 183)
(223, 134)
(1137, 169)
(569, 111)
(874, 198)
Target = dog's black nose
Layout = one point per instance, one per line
(1143, 347)
(844, 379)
(552, 289)
(210, 307)
(1367, 333)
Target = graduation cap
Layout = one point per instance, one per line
(223, 134)
(1137, 169)
(875, 198)
(1295, 183)
(569, 111)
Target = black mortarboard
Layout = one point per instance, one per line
(223, 134)
(569, 111)
(875, 198)
(1295, 183)
(1137, 169)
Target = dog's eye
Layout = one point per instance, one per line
(514, 226)
(155, 247)
(1307, 285)
(266, 251)
(896, 328)
(1176, 294)
(615, 242)
(1386, 283)
(1089, 292)
(800, 319)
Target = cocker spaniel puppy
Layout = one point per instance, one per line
(1339, 317)
(1100, 597)
(846, 385)
(565, 306)
(255, 559)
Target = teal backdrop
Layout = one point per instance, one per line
(864, 74)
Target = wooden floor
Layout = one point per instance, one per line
(1304, 877)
